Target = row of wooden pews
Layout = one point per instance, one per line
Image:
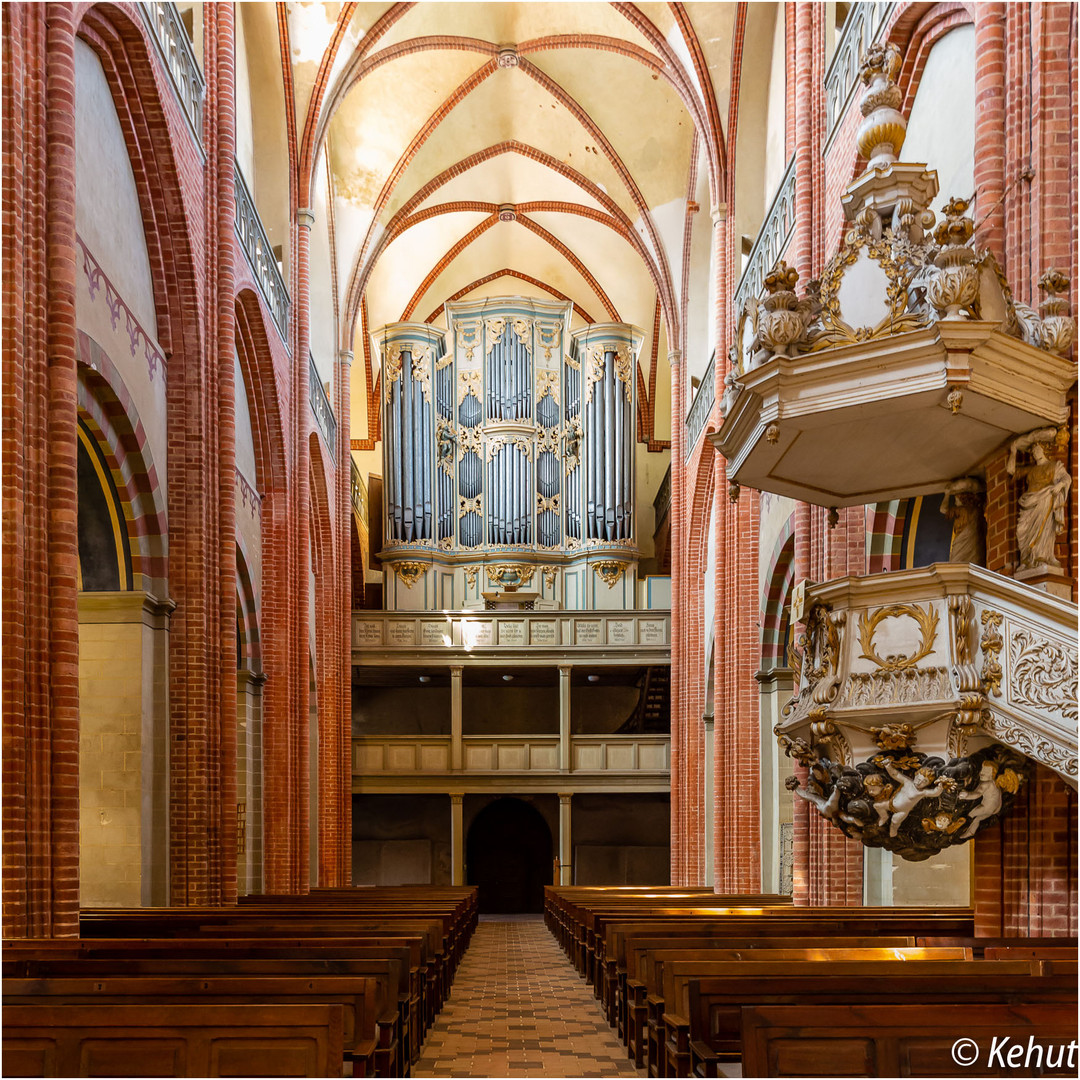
(698, 984)
(335, 982)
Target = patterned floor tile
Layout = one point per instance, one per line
(518, 1008)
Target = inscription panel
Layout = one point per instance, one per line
(652, 632)
(587, 633)
(401, 633)
(544, 633)
(367, 633)
(620, 631)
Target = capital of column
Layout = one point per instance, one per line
(565, 670)
(455, 671)
(674, 357)
(565, 797)
(456, 797)
(305, 217)
(719, 214)
(346, 356)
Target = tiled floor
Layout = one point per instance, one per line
(518, 1008)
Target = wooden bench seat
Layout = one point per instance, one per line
(357, 997)
(906, 1039)
(172, 1040)
(393, 1055)
(711, 1034)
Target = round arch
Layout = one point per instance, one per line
(508, 856)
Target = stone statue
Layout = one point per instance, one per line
(1043, 513)
(963, 506)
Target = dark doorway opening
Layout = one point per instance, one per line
(509, 857)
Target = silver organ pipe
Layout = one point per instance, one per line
(523, 436)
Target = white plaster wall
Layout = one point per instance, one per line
(248, 514)
(107, 212)
(109, 222)
(776, 111)
(245, 140)
(941, 125)
(323, 329)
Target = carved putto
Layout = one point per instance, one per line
(907, 802)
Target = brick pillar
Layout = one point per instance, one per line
(990, 124)
(1025, 875)
(202, 534)
(679, 588)
(343, 673)
(300, 550)
(40, 556)
(220, 254)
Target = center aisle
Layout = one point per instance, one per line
(518, 1008)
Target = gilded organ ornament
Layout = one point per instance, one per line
(411, 572)
(610, 571)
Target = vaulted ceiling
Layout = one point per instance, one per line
(545, 149)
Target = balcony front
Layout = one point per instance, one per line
(918, 693)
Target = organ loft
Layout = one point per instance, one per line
(539, 538)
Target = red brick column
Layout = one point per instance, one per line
(40, 629)
(1025, 875)
(220, 254)
(343, 510)
(299, 840)
(202, 533)
(679, 588)
(990, 123)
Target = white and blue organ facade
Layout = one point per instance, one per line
(509, 447)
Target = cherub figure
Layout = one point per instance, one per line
(880, 795)
(829, 807)
(911, 792)
(989, 794)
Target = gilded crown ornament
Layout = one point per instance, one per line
(784, 323)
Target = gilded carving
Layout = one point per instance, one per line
(1058, 330)
(1043, 674)
(547, 382)
(953, 288)
(835, 331)
(468, 337)
(572, 445)
(594, 371)
(470, 440)
(499, 441)
(421, 368)
(468, 383)
(545, 505)
(991, 644)
(926, 620)
(785, 320)
(867, 689)
(881, 133)
(548, 338)
(510, 576)
(1040, 748)
(447, 442)
(495, 330)
(610, 571)
(468, 506)
(470, 575)
(393, 368)
(411, 572)
(549, 573)
(523, 332)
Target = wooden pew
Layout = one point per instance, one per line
(172, 1040)
(392, 1051)
(357, 997)
(905, 1039)
(713, 1003)
(628, 947)
(664, 972)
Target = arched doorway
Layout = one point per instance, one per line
(509, 857)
